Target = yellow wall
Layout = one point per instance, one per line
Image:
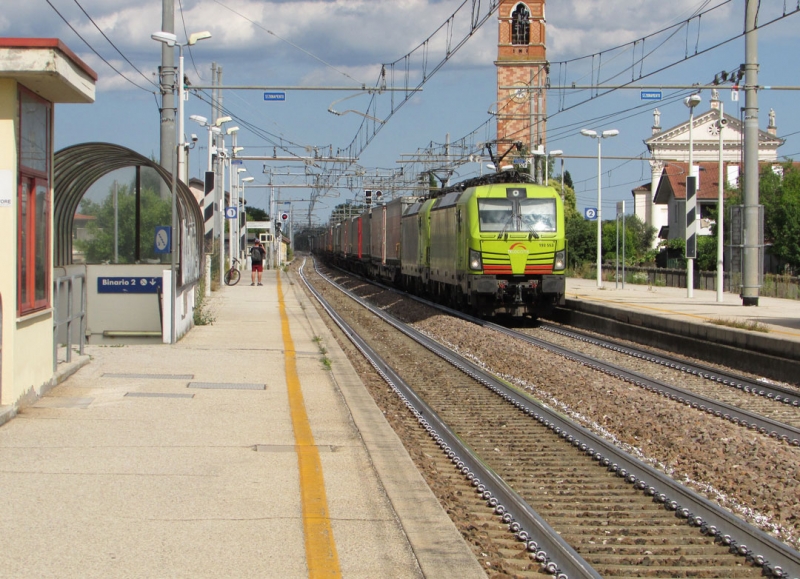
(8, 239)
(27, 348)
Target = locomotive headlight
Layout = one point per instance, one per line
(475, 260)
(559, 262)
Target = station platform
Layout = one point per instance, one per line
(235, 453)
(764, 339)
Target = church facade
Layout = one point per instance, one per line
(661, 203)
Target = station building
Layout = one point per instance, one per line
(35, 74)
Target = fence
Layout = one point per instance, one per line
(67, 302)
(775, 286)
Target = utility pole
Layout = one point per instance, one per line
(168, 144)
(752, 243)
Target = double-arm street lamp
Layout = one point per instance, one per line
(171, 40)
(599, 137)
(214, 130)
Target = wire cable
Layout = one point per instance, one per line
(293, 45)
(112, 44)
(86, 42)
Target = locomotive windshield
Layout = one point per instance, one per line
(523, 215)
(538, 214)
(496, 214)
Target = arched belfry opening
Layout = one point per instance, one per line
(521, 25)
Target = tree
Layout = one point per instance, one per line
(570, 202)
(568, 180)
(345, 210)
(581, 241)
(780, 195)
(256, 214)
(640, 241)
(99, 244)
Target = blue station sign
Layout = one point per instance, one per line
(128, 285)
(651, 95)
(274, 96)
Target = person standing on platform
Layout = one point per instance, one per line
(257, 255)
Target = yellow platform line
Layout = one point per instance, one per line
(321, 555)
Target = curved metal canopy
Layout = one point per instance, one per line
(77, 168)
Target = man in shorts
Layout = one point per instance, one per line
(257, 255)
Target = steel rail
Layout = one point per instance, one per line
(774, 392)
(550, 550)
(764, 425)
(757, 547)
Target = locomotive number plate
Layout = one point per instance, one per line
(547, 244)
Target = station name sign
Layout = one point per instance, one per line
(128, 285)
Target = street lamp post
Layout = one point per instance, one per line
(235, 228)
(599, 137)
(171, 40)
(207, 198)
(691, 202)
(720, 209)
(242, 230)
(556, 153)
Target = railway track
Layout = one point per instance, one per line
(778, 402)
(770, 409)
(623, 517)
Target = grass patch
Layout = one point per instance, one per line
(201, 315)
(322, 350)
(749, 325)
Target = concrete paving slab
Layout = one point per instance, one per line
(117, 473)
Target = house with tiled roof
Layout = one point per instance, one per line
(671, 193)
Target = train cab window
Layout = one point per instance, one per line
(496, 214)
(538, 214)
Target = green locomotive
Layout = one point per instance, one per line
(489, 246)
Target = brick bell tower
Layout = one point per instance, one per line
(521, 75)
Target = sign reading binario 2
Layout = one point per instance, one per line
(128, 285)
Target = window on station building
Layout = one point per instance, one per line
(520, 25)
(33, 202)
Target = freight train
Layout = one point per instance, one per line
(490, 245)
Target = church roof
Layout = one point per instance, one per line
(679, 134)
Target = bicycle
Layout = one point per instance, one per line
(233, 275)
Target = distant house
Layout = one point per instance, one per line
(671, 194)
(669, 150)
(80, 233)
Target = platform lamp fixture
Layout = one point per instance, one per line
(171, 40)
(235, 202)
(243, 203)
(556, 153)
(691, 201)
(599, 137)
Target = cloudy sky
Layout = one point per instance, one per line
(345, 43)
